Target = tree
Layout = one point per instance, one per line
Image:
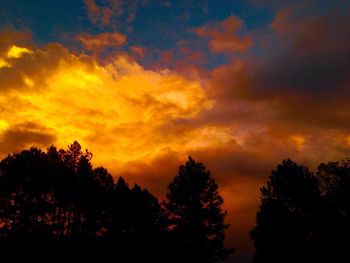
(195, 217)
(133, 223)
(24, 195)
(286, 223)
(334, 181)
(52, 195)
(58, 196)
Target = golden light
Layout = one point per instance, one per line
(28, 81)
(119, 111)
(348, 140)
(3, 125)
(3, 63)
(299, 141)
(17, 52)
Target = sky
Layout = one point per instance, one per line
(238, 85)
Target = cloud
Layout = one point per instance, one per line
(224, 36)
(10, 38)
(98, 43)
(138, 51)
(115, 109)
(22, 135)
(98, 15)
(29, 70)
(155, 173)
(288, 98)
(282, 20)
(312, 70)
(114, 14)
(299, 78)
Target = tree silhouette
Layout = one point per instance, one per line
(55, 195)
(58, 196)
(25, 195)
(195, 217)
(286, 222)
(334, 218)
(133, 222)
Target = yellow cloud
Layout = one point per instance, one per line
(17, 52)
(3, 124)
(299, 141)
(3, 63)
(115, 110)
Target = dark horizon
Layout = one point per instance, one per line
(56, 200)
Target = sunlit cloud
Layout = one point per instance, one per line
(223, 36)
(101, 41)
(17, 52)
(108, 13)
(3, 63)
(138, 51)
(115, 110)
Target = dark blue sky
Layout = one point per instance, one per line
(157, 25)
(46, 18)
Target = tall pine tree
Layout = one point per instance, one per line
(195, 216)
(286, 222)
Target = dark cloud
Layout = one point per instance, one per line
(303, 75)
(23, 135)
(155, 174)
(316, 52)
(10, 38)
(101, 41)
(113, 14)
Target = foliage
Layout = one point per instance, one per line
(57, 196)
(304, 217)
(195, 216)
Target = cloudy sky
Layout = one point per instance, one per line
(238, 85)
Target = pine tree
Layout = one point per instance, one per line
(286, 222)
(195, 216)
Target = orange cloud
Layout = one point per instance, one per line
(107, 13)
(223, 36)
(138, 51)
(18, 136)
(101, 41)
(98, 15)
(282, 22)
(116, 110)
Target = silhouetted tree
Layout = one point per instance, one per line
(195, 217)
(55, 195)
(25, 195)
(58, 196)
(134, 215)
(286, 222)
(334, 218)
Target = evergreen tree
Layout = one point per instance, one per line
(286, 223)
(334, 219)
(195, 217)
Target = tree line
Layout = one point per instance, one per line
(304, 216)
(57, 197)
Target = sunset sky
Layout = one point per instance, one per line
(143, 84)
